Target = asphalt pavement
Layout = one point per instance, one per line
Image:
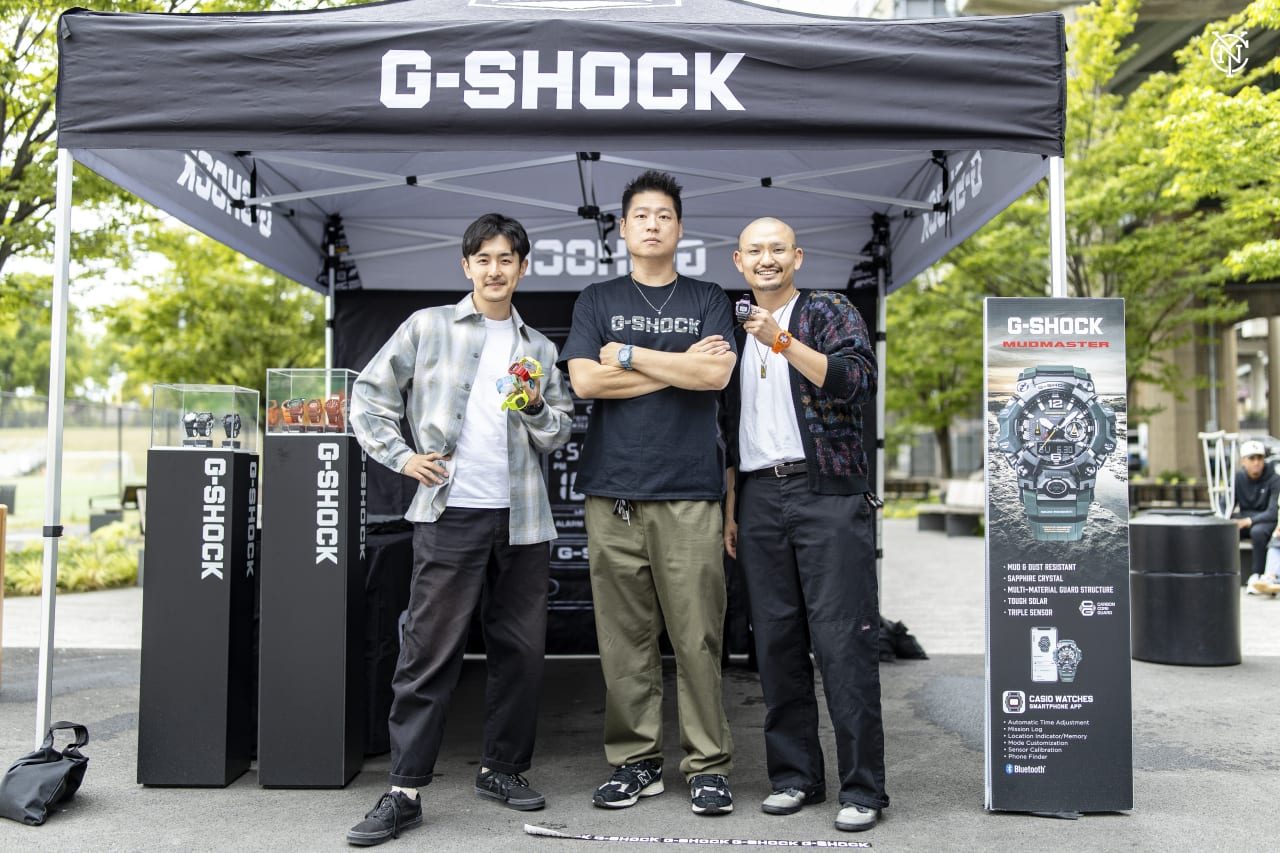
(1205, 762)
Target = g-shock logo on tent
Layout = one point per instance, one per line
(218, 183)
(594, 79)
(965, 183)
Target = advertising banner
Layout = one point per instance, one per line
(1059, 705)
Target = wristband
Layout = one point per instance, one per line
(782, 341)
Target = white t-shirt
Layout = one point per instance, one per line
(767, 432)
(479, 475)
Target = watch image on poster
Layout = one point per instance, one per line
(1057, 422)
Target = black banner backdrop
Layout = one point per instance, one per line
(1059, 707)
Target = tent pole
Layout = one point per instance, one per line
(53, 448)
(328, 306)
(1057, 228)
(882, 318)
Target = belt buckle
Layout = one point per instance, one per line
(778, 472)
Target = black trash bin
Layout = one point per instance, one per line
(1184, 588)
(8, 495)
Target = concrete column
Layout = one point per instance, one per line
(1273, 375)
(1228, 401)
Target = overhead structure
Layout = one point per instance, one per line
(403, 121)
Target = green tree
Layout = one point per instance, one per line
(25, 317)
(120, 224)
(213, 317)
(1137, 225)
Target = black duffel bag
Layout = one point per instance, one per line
(41, 779)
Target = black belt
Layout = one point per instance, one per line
(786, 469)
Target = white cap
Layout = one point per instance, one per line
(1252, 448)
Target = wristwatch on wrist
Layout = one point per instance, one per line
(1067, 657)
(624, 357)
(534, 408)
(1056, 432)
(782, 341)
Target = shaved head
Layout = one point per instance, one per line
(766, 224)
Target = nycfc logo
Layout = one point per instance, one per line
(594, 79)
(1227, 52)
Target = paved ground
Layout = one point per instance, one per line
(1203, 756)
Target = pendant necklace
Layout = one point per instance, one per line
(763, 352)
(658, 308)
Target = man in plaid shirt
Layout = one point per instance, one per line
(481, 517)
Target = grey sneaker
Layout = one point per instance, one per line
(511, 789)
(393, 813)
(628, 784)
(710, 795)
(855, 818)
(790, 801)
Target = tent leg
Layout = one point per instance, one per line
(1057, 228)
(882, 318)
(53, 451)
(328, 310)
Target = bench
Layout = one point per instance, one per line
(907, 488)
(964, 504)
(133, 497)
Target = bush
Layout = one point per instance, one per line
(107, 558)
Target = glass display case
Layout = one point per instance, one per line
(309, 400)
(204, 416)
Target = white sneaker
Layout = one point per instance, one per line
(789, 801)
(1251, 584)
(852, 818)
(1268, 585)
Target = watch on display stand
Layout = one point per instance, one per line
(1067, 657)
(1056, 432)
(198, 427)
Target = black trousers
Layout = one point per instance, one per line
(809, 563)
(460, 560)
(1260, 536)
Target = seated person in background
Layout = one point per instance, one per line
(1257, 489)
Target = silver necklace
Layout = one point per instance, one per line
(658, 308)
(763, 352)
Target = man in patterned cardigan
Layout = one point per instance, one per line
(800, 521)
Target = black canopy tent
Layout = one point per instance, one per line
(385, 128)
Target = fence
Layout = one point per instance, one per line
(104, 449)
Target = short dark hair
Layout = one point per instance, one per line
(495, 225)
(653, 181)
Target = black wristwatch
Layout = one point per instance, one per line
(1056, 432)
(534, 408)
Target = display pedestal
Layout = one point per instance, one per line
(311, 694)
(195, 709)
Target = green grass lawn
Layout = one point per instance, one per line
(90, 469)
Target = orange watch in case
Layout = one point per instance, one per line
(333, 412)
(314, 415)
(782, 341)
(273, 415)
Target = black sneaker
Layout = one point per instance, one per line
(393, 813)
(710, 794)
(629, 783)
(511, 789)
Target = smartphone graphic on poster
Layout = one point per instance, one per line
(1043, 642)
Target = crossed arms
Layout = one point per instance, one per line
(705, 366)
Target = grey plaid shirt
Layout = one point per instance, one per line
(434, 354)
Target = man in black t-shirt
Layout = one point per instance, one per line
(653, 349)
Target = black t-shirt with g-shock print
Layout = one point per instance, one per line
(663, 445)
